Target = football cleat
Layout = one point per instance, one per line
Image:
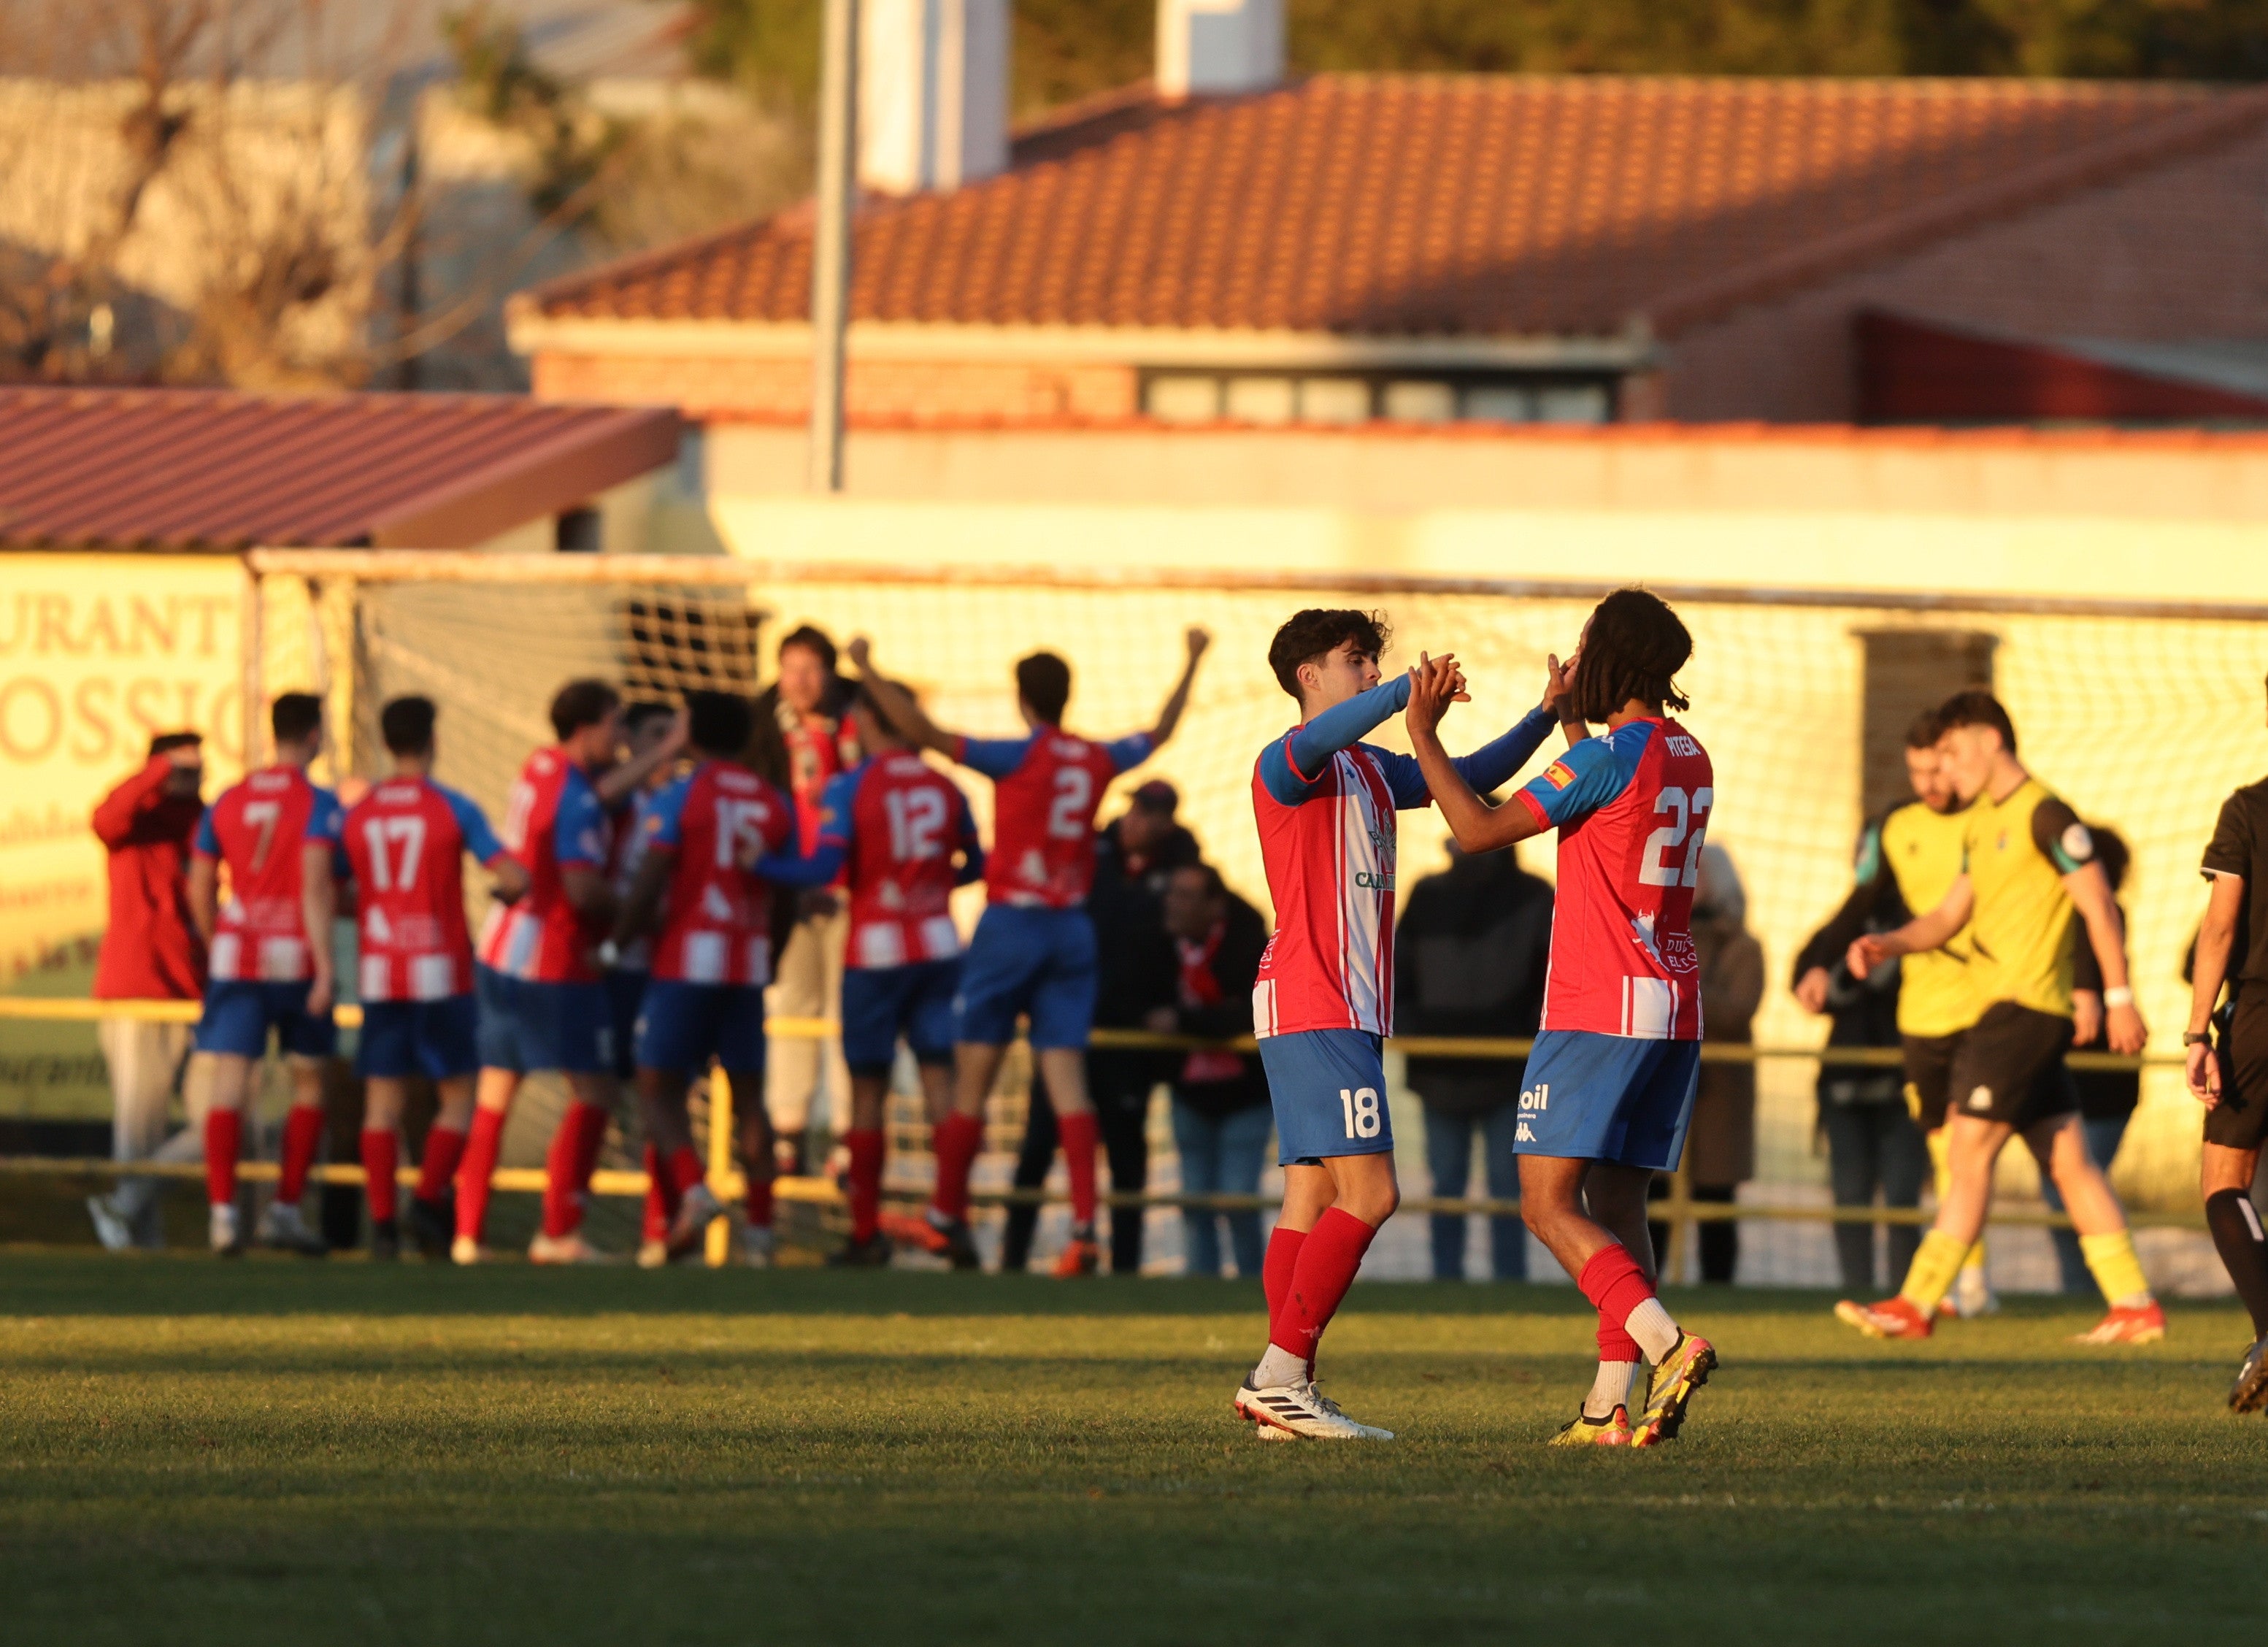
(1972, 1295)
(567, 1249)
(283, 1226)
(431, 1225)
(935, 1233)
(384, 1241)
(1893, 1317)
(695, 1213)
(1079, 1257)
(1583, 1430)
(873, 1252)
(2144, 1324)
(1301, 1413)
(2250, 1392)
(227, 1238)
(110, 1226)
(465, 1249)
(1685, 1369)
(756, 1246)
(653, 1254)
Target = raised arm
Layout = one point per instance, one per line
(621, 782)
(2215, 938)
(1479, 827)
(1178, 701)
(318, 908)
(1923, 932)
(897, 704)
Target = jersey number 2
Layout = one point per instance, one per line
(1067, 818)
(1655, 867)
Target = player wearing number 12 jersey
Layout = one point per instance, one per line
(898, 824)
(1033, 953)
(1608, 1087)
(405, 844)
(1326, 804)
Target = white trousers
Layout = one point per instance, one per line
(809, 985)
(145, 1062)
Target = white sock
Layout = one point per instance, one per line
(1656, 1334)
(1611, 1389)
(1280, 1367)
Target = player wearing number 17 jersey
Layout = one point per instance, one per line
(1608, 1087)
(1033, 953)
(1326, 804)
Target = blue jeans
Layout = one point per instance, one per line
(2102, 1139)
(1221, 1156)
(1449, 1158)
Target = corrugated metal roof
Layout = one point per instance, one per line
(197, 468)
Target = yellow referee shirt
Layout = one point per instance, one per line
(2018, 851)
(1922, 850)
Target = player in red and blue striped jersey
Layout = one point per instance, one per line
(1326, 804)
(1033, 953)
(712, 957)
(405, 844)
(265, 831)
(897, 825)
(1610, 1087)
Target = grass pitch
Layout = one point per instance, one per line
(269, 1451)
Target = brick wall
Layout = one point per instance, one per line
(2177, 252)
(954, 390)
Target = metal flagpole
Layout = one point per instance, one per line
(830, 248)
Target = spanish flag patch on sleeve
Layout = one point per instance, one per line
(1558, 775)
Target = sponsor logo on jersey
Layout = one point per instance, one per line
(1558, 775)
(1537, 1097)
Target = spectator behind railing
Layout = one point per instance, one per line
(1221, 1118)
(1469, 959)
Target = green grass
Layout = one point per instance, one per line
(276, 1450)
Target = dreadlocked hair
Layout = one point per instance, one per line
(1632, 651)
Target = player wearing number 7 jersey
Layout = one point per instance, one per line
(1326, 804)
(1608, 1087)
(1033, 949)
(406, 843)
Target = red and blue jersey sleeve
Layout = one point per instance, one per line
(326, 817)
(473, 824)
(664, 815)
(1587, 777)
(208, 840)
(995, 758)
(578, 833)
(1124, 754)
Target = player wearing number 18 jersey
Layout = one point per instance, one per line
(1033, 949)
(897, 824)
(1608, 1087)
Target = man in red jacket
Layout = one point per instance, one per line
(150, 951)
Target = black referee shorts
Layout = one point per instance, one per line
(1929, 1076)
(2009, 1068)
(2240, 1120)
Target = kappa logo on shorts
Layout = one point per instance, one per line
(1981, 1099)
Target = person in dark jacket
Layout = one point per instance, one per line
(1135, 972)
(2107, 1097)
(1221, 1115)
(1469, 959)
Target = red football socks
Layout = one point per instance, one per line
(1275, 1268)
(379, 1153)
(445, 1147)
(1615, 1285)
(956, 1140)
(482, 1146)
(1080, 1133)
(303, 1135)
(659, 1214)
(223, 1139)
(867, 1147)
(568, 1166)
(1321, 1276)
(759, 1202)
(685, 1170)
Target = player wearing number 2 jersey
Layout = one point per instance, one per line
(405, 844)
(898, 825)
(263, 832)
(1033, 949)
(712, 957)
(1609, 1086)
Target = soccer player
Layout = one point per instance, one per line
(263, 829)
(2231, 1080)
(1033, 952)
(536, 979)
(1907, 862)
(898, 824)
(405, 844)
(1608, 1089)
(1325, 803)
(2029, 873)
(712, 958)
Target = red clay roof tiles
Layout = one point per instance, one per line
(1409, 204)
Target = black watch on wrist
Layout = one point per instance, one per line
(2197, 1037)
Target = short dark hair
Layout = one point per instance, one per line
(1214, 886)
(164, 743)
(812, 638)
(1318, 631)
(718, 723)
(1044, 682)
(294, 716)
(407, 726)
(581, 704)
(1631, 652)
(636, 716)
(1977, 707)
(1925, 729)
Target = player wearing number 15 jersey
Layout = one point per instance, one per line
(1033, 949)
(406, 843)
(1608, 1089)
(899, 825)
